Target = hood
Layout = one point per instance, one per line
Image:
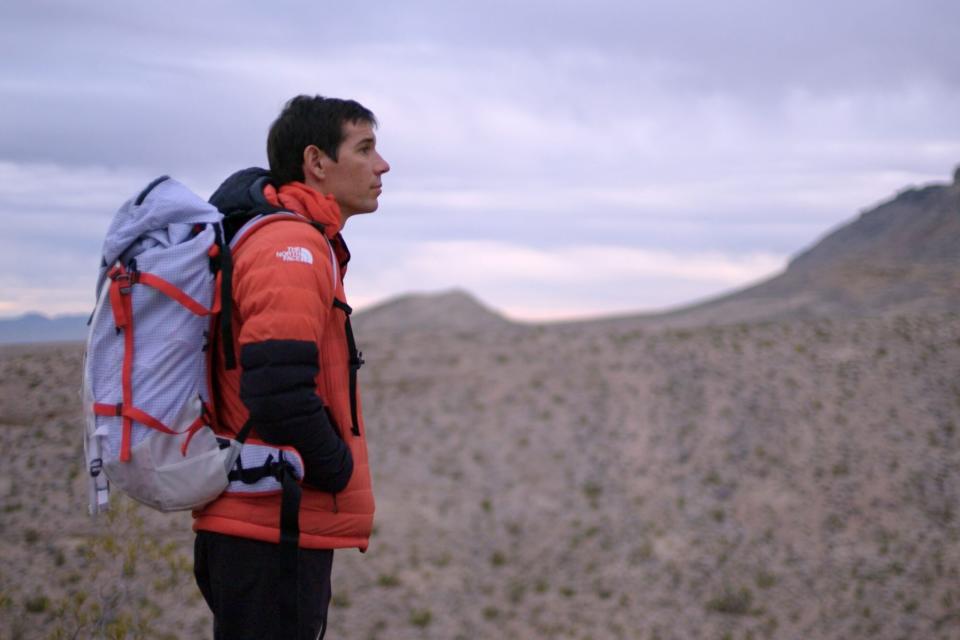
(242, 194)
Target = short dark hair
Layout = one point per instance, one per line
(307, 120)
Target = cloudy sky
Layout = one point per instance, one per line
(557, 159)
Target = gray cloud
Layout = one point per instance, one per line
(736, 127)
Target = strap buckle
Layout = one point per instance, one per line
(358, 361)
(126, 280)
(280, 468)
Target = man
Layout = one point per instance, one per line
(296, 379)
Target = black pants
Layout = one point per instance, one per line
(254, 595)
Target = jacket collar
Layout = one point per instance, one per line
(251, 191)
(309, 203)
(317, 207)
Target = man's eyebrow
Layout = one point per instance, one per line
(367, 140)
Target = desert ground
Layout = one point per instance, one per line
(787, 479)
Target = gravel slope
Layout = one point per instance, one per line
(775, 480)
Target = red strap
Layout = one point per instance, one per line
(127, 375)
(147, 420)
(122, 306)
(192, 431)
(116, 297)
(121, 302)
(133, 413)
(173, 293)
(101, 409)
(217, 291)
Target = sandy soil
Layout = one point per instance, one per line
(779, 480)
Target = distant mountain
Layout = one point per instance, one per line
(902, 256)
(34, 327)
(453, 310)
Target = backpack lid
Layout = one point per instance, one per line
(163, 203)
(163, 214)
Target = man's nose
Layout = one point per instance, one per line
(384, 165)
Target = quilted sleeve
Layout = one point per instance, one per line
(283, 294)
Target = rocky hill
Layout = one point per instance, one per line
(429, 312)
(902, 256)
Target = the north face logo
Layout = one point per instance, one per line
(296, 254)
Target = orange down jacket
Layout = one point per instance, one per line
(285, 285)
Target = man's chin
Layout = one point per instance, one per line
(361, 212)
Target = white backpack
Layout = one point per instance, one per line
(165, 273)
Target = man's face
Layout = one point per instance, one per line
(354, 179)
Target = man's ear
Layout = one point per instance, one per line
(314, 162)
